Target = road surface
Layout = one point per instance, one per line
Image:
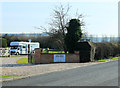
(104, 74)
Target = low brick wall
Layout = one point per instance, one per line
(46, 58)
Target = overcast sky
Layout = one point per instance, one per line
(101, 18)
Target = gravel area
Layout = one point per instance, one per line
(7, 61)
(10, 60)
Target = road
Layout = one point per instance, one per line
(104, 74)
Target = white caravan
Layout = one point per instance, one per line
(23, 47)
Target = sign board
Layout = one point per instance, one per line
(59, 57)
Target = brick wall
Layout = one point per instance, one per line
(72, 58)
(45, 58)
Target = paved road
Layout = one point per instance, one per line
(104, 74)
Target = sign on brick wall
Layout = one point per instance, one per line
(59, 57)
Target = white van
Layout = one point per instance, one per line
(23, 47)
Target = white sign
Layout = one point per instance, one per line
(59, 57)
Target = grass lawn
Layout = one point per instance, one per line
(108, 59)
(23, 61)
(5, 76)
(56, 52)
(53, 51)
(10, 55)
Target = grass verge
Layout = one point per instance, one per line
(5, 76)
(11, 55)
(114, 58)
(23, 61)
(56, 52)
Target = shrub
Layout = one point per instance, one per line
(3, 42)
(73, 35)
(106, 50)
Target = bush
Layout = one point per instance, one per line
(3, 42)
(106, 50)
(73, 35)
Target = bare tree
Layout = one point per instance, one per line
(58, 24)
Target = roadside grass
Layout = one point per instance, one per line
(23, 61)
(10, 55)
(103, 60)
(5, 76)
(3, 55)
(56, 52)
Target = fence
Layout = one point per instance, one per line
(4, 51)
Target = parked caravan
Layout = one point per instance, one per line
(23, 47)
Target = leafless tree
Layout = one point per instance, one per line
(59, 22)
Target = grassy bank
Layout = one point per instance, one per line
(5, 76)
(11, 55)
(23, 61)
(114, 58)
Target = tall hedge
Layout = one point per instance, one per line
(3, 42)
(106, 50)
(73, 35)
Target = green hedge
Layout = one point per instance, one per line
(106, 50)
(3, 42)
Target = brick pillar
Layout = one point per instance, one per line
(37, 55)
(77, 52)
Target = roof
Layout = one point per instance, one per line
(84, 46)
(21, 43)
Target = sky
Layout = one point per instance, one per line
(101, 18)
